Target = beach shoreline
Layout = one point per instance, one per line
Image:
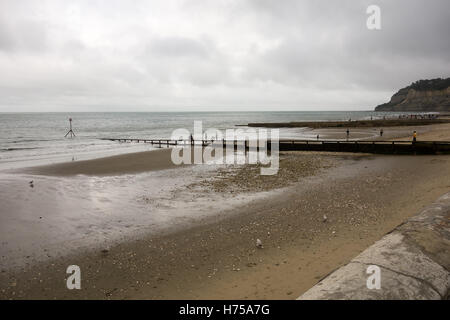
(159, 159)
(362, 196)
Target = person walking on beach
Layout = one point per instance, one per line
(348, 134)
(317, 137)
(414, 136)
(381, 132)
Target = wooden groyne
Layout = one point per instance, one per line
(162, 142)
(376, 147)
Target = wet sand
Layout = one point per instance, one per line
(438, 132)
(362, 196)
(128, 163)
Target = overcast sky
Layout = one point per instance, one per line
(168, 55)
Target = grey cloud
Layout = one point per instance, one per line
(411, 45)
(19, 36)
(253, 53)
(178, 47)
(185, 60)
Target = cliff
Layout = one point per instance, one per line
(422, 95)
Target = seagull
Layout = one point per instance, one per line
(325, 218)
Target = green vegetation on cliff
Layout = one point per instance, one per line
(433, 84)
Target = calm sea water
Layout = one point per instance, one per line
(35, 138)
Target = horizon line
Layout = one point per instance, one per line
(188, 111)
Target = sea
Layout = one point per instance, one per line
(38, 138)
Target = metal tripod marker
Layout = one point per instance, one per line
(72, 134)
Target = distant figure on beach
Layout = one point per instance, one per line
(414, 136)
(192, 139)
(348, 134)
(317, 137)
(381, 132)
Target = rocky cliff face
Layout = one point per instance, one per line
(423, 95)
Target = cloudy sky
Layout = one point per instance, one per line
(163, 55)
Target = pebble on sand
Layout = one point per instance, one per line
(259, 243)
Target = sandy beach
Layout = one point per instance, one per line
(435, 132)
(214, 256)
